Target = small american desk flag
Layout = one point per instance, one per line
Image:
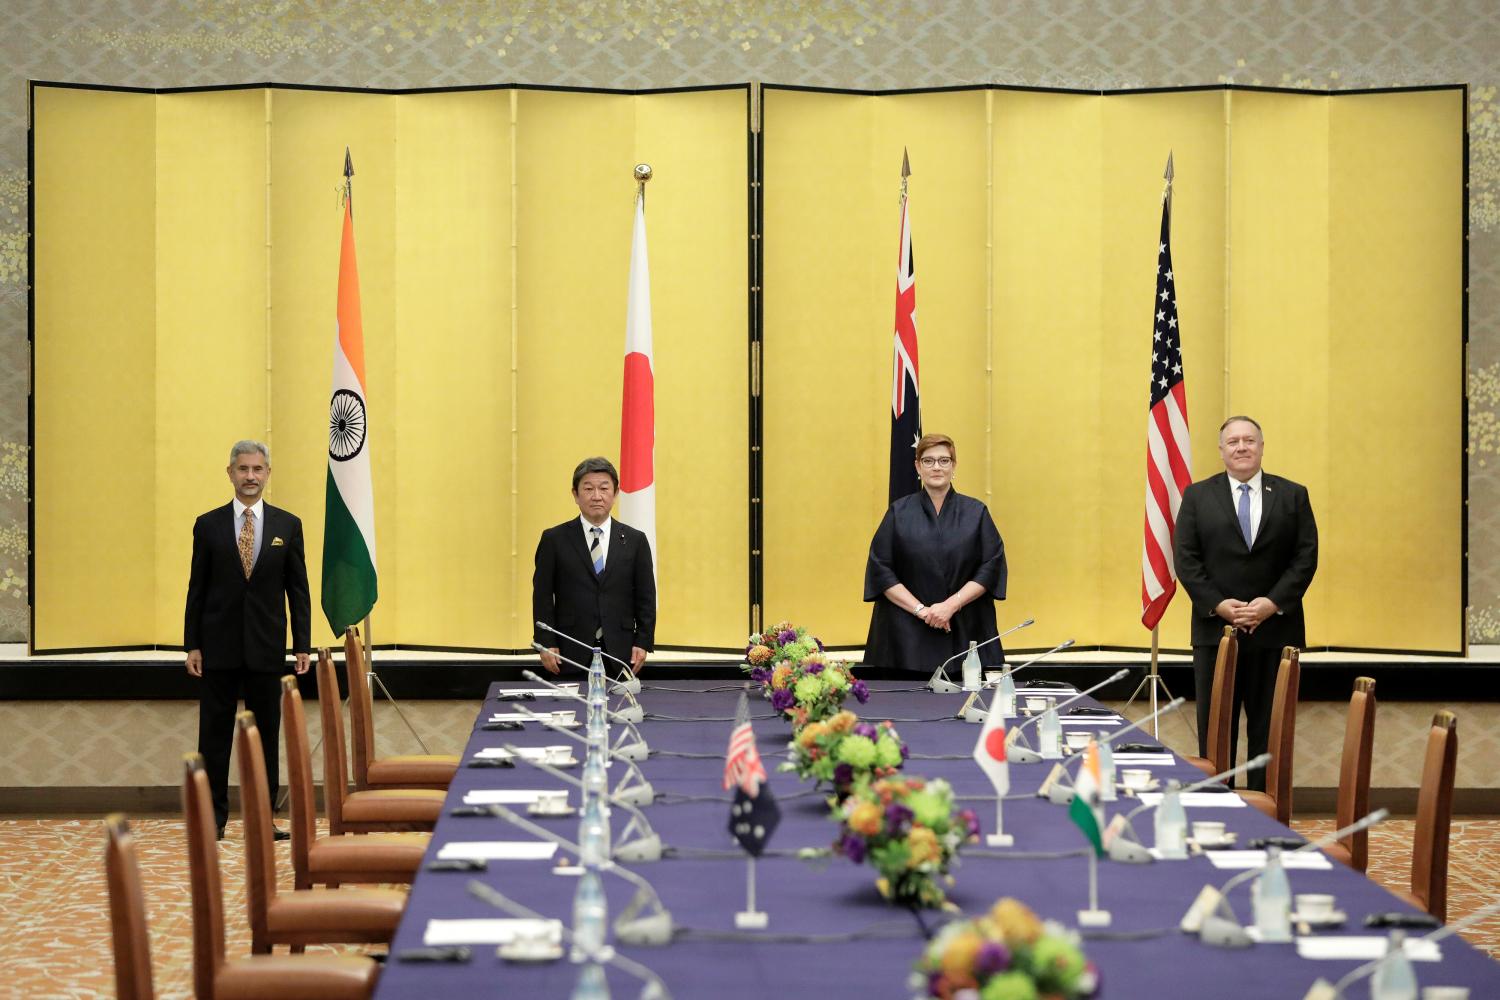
(1169, 453)
(753, 813)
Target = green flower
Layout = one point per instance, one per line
(1009, 986)
(929, 809)
(808, 690)
(836, 679)
(888, 752)
(822, 768)
(857, 751)
(1057, 964)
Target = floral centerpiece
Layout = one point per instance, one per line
(1007, 954)
(814, 689)
(844, 750)
(908, 830)
(781, 643)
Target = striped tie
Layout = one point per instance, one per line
(247, 542)
(594, 552)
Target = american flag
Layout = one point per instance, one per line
(906, 406)
(742, 764)
(1169, 456)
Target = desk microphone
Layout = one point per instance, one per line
(1129, 849)
(654, 988)
(1321, 989)
(1026, 755)
(634, 751)
(647, 843)
(628, 680)
(655, 928)
(939, 683)
(973, 713)
(1062, 795)
(639, 794)
(630, 713)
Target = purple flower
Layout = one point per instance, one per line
(782, 699)
(820, 644)
(866, 730)
(760, 675)
(851, 847)
(935, 983)
(861, 691)
(787, 637)
(843, 774)
(815, 667)
(897, 818)
(905, 752)
(970, 821)
(993, 957)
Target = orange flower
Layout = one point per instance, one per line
(781, 676)
(864, 819)
(810, 734)
(758, 655)
(924, 847)
(843, 722)
(1016, 921)
(799, 717)
(958, 958)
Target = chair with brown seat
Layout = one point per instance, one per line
(258, 977)
(1354, 776)
(1429, 847)
(1276, 800)
(127, 913)
(373, 810)
(425, 770)
(303, 916)
(1218, 739)
(380, 858)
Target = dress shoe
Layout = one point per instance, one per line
(221, 834)
(280, 834)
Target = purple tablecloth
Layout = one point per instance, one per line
(806, 900)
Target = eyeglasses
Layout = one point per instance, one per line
(929, 462)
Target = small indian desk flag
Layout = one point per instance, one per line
(1085, 809)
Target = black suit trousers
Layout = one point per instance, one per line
(219, 693)
(1254, 691)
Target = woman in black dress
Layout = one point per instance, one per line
(936, 567)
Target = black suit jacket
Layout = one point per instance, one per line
(239, 622)
(566, 594)
(1214, 563)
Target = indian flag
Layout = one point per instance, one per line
(349, 589)
(1085, 809)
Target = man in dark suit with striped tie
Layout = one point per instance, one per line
(594, 578)
(1246, 550)
(248, 569)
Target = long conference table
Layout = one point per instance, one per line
(830, 934)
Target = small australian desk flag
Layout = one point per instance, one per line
(753, 814)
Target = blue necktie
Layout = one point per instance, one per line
(1245, 513)
(598, 556)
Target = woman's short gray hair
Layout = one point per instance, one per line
(245, 448)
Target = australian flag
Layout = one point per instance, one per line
(753, 817)
(906, 407)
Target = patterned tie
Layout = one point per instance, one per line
(1244, 513)
(247, 542)
(594, 552)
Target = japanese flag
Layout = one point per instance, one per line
(989, 751)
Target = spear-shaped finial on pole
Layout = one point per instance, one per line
(905, 171)
(348, 177)
(1167, 192)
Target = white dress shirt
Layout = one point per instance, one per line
(588, 536)
(1255, 496)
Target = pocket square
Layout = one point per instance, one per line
(276, 541)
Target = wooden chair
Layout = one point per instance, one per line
(127, 913)
(401, 771)
(1354, 776)
(259, 977)
(346, 858)
(1221, 711)
(1276, 800)
(1429, 848)
(373, 810)
(303, 916)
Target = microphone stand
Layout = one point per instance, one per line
(655, 928)
(1026, 755)
(1062, 795)
(631, 710)
(1129, 849)
(654, 988)
(639, 794)
(628, 679)
(939, 683)
(637, 750)
(647, 845)
(973, 713)
(1322, 991)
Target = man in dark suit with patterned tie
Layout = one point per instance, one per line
(594, 578)
(248, 569)
(1246, 550)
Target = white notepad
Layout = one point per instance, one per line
(569, 691)
(489, 931)
(1363, 947)
(498, 850)
(1198, 800)
(1254, 859)
(529, 753)
(1093, 720)
(1134, 759)
(508, 796)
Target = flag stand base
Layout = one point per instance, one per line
(999, 840)
(1094, 918)
(751, 920)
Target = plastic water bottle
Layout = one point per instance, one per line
(973, 672)
(1273, 900)
(1050, 735)
(1394, 978)
(598, 723)
(1171, 824)
(595, 779)
(1007, 694)
(590, 911)
(591, 984)
(593, 832)
(1106, 773)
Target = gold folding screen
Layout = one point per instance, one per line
(185, 259)
(187, 256)
(1318, 245)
